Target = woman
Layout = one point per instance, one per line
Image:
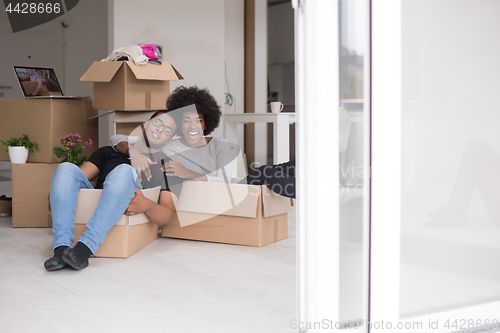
(195, 156)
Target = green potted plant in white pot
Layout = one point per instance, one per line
(19, 148)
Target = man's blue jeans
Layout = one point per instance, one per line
(119, 187)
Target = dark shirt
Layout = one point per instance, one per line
(106, 159)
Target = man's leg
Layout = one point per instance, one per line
(119, 187)
(66, 183)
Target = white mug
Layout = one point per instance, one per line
(276, 107)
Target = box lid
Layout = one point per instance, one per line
(104, 71)
(88, 199)
(219, 198)
(274, 204)
(163, 72)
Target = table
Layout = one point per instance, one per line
(281, 137)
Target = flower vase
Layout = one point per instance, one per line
(18, 155)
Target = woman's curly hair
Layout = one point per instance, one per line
(206, 105)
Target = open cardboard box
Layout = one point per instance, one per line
(128, 235)
(125, 86)
(30, 194)
(229, 213)
(46, 122)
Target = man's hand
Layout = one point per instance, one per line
(138, 204)
(140, 163)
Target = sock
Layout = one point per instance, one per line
(78, 257)
(82, 251)
(56, 261)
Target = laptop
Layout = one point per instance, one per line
(38, 82)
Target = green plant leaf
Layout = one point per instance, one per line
(59, 152)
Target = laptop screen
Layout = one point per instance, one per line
(36, 81)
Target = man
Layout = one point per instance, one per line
(121, 193)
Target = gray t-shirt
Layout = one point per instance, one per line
(212, 160)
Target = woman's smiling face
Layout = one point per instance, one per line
(193, 125)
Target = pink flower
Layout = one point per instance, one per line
(68, 144)
(73, 145)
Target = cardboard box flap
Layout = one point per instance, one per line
(178, 74)
(152, 194)
(102, 71)
(163, 72)
(219, 198)
(274, 204)
(88, 199)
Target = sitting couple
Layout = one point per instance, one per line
(198, 157)
(154, 160)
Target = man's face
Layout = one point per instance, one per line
(160, 129)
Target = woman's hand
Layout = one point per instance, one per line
(174, 168)
(140, 163)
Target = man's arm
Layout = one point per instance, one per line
(89, 170)
(139, 162)
(159, 213)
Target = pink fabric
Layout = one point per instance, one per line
(149, 51)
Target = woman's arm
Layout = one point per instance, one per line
(174, 168)
(159, 213)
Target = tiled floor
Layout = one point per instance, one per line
(169, 286)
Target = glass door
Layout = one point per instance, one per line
(435, 213)
(332, 99)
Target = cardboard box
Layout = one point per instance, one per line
(30, 194)
(46, 122)
(126, 122)
(125, 86)
(229, 213)
(130, 233)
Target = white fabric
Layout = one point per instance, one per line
(134, 52)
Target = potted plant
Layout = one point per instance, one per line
(19, 148)
(73, 149)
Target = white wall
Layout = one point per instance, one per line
(234, 55)
(234, 52)
(191, 33)
(85, 40)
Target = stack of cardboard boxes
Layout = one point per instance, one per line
(45, 121)
(132, 93)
